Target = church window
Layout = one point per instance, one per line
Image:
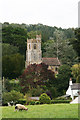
(34, 46)
(56, 69)
(29, 46)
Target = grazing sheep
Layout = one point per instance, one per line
(20, 107)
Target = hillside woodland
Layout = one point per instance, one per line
(56, 42)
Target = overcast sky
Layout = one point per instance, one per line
(59, 13)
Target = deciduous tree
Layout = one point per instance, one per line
(76, 72)
(36, 74)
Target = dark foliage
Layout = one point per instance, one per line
(76, 42)
(12, 66)
(15, 36)
(64, 74)
(36, 74)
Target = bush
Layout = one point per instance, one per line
(36, 91)
(21, 101)
(4, 103)
(32, 102)
(11, 96)
(44, 99)
(37, 102)
(60, 101)
(27, 97)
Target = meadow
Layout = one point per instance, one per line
(42, 111)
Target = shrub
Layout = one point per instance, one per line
(36, 91)
(44, 99)
(37, 102)
(21, 101)
(27, 97)
(32, 102)
(60, 101)
(11, 96)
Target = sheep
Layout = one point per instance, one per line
(20, 107)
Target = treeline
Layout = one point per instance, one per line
(55, 42)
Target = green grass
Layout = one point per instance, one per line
(43, 111)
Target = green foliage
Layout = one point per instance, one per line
(14, 41)
(12, 85)
(60, 101)
(15, 36)
(76, 42)
(11, 96)
(32, 34)
(37, 102)
(27, 95)
(64, 74)
(21, 101)
(76, 72)
(8, 49)
(60, 47)
(32, 102)
(12, 65)
(44, 99)
(53, 91)
(36, 91)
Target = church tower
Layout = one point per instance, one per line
(33, 52)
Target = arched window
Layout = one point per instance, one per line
(56, 69)
(29, 46)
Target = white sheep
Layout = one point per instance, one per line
(20, 107)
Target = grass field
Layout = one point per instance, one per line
(43, 111)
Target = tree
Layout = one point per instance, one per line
(12, 65)
(11, 96)
(76, 72)
(8, 49)
(15, 36)
(76, 42)
(36, 75)
(10, 85)
(60, 47)
(64, 74)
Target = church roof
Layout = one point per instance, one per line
(51, 61)
(75, 86)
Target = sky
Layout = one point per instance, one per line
(59, 13)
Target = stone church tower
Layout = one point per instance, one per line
(33, 52)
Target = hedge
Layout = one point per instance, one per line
(60, 101)
(21, 101)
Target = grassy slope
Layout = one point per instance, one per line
(43, 111)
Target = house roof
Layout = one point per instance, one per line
(51, 61)
(75, 86)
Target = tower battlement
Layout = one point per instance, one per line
(38, 39)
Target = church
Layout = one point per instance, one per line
(34, 55)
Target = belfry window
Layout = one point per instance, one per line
(56, 69)
(34, 46)
(29, 46)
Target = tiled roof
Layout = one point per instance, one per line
(75, 86)
(51, 61)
